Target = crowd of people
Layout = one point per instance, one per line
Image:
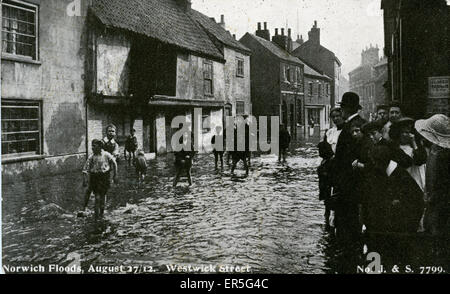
(387, 176)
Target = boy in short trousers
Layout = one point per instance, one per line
(96, 172)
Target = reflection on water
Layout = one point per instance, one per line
(271, 221)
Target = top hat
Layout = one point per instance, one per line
(436, 129)
(350, 100)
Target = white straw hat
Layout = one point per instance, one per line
(436, 129)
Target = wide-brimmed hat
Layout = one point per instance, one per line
(351, 100)
(436, 129)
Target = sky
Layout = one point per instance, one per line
(346, 26)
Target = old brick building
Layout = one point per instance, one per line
(368, 80)
(68, 72)
(277, 78)
(172, 60)
(322, 59)
(417, 41)
(317, 102)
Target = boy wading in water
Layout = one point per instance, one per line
(96, 172)
(183, 162)
(131, 146)
(140, 164)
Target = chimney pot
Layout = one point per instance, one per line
(276, 32)
(265, 25)
(259, 26)
(289, 33)
(185, 4)
(222, 18)
(315, 23)
(234, 36)
(282, 32)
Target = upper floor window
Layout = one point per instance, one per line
(240, 67)
(287, 74)
(299, 75)
(310, 89)
(208, 77)
(20, 29)
(319, 91)
(21, 128)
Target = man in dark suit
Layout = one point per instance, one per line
(347, 183)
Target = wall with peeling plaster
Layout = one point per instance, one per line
(58, 81)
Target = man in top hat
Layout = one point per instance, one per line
(436, 130)
(347, 210)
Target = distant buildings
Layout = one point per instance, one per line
(285, 86)
(368, 80)
(277, 78)
(321, 59)
(417, 47)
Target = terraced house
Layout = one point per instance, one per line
(70, 68)
(277, 78)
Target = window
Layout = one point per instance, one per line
(208, 77)
(21, 128)
(314, 116)
(310, 89)
(319, 91)
(19, 29)
(288, 73)
(299, 75)
(240, 107)
(328, 89)
(240, 67)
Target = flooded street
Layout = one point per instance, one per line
(269, 222)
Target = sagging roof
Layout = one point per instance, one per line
(275, 49)
(217, 31)
(163, 20)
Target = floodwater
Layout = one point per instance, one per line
(268, 222)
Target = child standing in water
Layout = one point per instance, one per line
(96, 172)
(140, 164)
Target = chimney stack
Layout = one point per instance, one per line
(314, 34)
(281, 40)
(222, 21)
(185, 5)
(265, 34)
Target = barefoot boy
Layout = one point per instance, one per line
(96, 171)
